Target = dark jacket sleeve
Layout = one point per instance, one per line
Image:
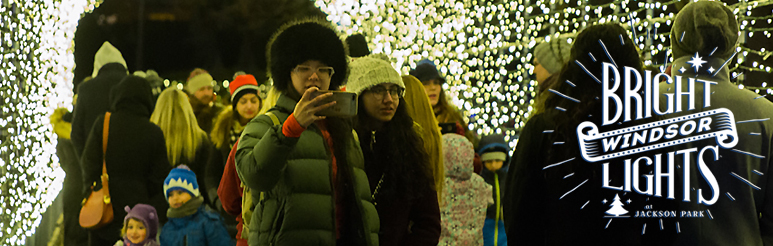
(230, 191)
(214, 172)
(91, 160)
(523, 199)
(766, 211)
(80, 129)
(262, 154)
(159, 169)
(425, 216)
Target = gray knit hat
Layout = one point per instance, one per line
(703, 26)
(369, 71)
(552, 55)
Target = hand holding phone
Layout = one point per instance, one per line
(310, 104)
(345, 104)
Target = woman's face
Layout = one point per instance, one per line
(309, 74)
(248, 106)
(136, 231)
(381, 101)
(433, 89)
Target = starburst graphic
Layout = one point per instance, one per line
(697, 62)
(681, 70)
(711, 69)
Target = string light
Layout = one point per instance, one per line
(485, 50)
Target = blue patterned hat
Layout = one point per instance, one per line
(181, 178)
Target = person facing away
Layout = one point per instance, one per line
(135, 159)
(308, 168)
(396, 163)
(94, 95)
(202, 97)
(709, 31)
(186, 143)
(420, 110)
(190, 221)
(140, 226)
(549, 58)
(466, 195)
(494, 154)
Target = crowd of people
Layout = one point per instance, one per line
(405, 170)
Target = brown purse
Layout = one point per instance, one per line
(97, 210)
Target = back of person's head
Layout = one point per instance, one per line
(458, 156)
(700, 27)
(132, 94)
(299, 41)
(581, 66)
(148, 216)
(553, 54)
(357, 45)
(105, 55)
(175, 117)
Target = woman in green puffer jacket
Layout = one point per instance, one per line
(306, 171)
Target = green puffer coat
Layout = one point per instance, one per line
(295, 174)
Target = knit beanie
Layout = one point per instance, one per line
(301, 41)
(181, 178)
(552, 55)
(370, 71)
(105, 55)
(425, 71)
(702, 27)
(493, 147)
(198, 81)
(145, 213)
(240, 86)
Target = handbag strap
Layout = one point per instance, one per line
(105, 131)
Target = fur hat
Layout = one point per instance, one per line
(301, 41)
(554, 54)
(181, 178)
(241, 85)
(196, 82)
(105, 55)
(425, 71)
(145, 213)
(370, 71)
(705, 25)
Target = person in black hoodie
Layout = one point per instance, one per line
(494, 153)
(135, 158)
(109, 69)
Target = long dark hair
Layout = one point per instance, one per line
(399, 152)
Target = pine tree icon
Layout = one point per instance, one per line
(617, 207)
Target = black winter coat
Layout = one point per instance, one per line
(93, 101)
(136, 155)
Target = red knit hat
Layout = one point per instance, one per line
(242, 82)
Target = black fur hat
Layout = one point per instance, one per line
(299, 41)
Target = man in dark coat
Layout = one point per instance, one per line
(93, 101)
(135, 159)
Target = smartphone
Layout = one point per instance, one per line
(447, 128)
(346, 104)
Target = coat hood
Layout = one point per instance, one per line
(132, 94)
(105, 55)
(459, 154)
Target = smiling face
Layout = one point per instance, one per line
(248, 106)
(380, 102)
(135, 231)
(303, 78)
(178, 197)
(433, 89)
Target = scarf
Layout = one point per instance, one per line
(236, 132)
(186, 209)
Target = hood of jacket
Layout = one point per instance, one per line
(133, 95)
(458, 155)
(105, 55)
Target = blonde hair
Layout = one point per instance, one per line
(174, 115)
(225, 120)
(420, 110)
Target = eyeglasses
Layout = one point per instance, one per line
(322, 72)
(379, 92)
